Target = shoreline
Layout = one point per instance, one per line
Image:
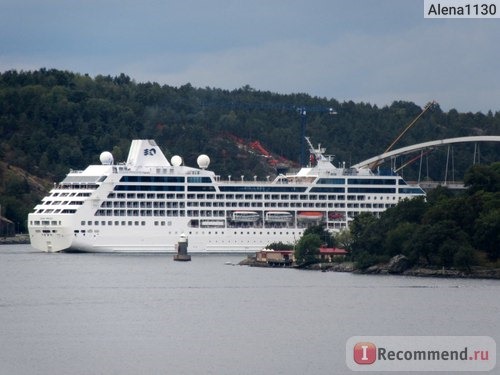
(393, 267)
(475, 272)
(418, 271)
(18, 239)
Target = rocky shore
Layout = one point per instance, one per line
(398, 265)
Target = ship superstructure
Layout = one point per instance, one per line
(147, 203)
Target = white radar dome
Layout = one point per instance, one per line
(176, 160)
(106, 158)
(203, 161)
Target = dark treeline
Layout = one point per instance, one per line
(52, 120)
(444, 230)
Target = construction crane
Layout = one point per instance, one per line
(427, 107)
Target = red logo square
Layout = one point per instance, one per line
(365, 353)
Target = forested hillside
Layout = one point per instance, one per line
(51, 121)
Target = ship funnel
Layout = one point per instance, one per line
(146, 153)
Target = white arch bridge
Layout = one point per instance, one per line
(379, 159)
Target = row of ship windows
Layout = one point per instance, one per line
(334, 181)
(77, 186)
(116, 223)
(45, 222)
(302, 197)
(115, 212)
(73, 194)
(63, 203)
(174, 188)
(52, 211)
(244, 204)
(202, 213)
(331, 225)
(169, 223)
(162, 223)
(142, 223)
(129, 222)
(249, 189)
(212, 196)
(166, 179)
(359, 181)
(144, 204)
(251, 233)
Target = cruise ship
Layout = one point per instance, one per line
(145, 204)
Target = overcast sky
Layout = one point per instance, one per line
(370, 51)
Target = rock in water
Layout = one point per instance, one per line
(398, 264)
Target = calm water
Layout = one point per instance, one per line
(146, 314)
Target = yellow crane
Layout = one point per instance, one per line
(427, 106)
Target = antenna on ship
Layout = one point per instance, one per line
(317, 154)
(303, 116)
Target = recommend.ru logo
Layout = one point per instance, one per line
(365, 353)
(421, 353)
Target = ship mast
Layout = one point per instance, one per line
(318, 153)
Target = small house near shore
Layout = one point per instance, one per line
(329, 254)
(285, 258)
(275, 258)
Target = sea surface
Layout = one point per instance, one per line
(146, 314)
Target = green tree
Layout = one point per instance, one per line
(365, 234)
(397, 240)
(464, 257)
(437, 194)
(324, 235)
(482, 177)
(307, 249)
(408, 210)
(487, 233)
(344, 239)
(280, 246)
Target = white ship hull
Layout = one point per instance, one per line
(145, 205)
(208, 240)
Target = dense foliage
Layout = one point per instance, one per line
(52, 120)
(280, 246)
(307, 247)
(445, 230)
